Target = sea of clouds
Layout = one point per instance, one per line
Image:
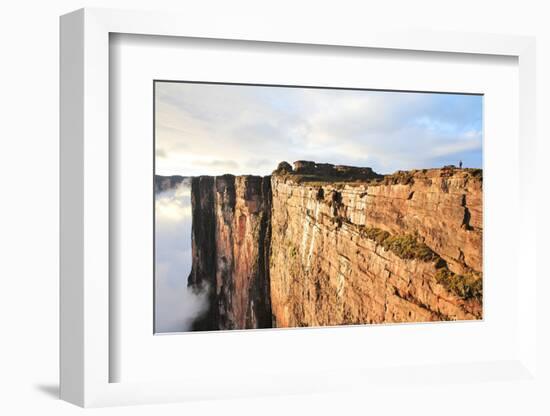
(176, 305)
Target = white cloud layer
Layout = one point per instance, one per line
(176, 306)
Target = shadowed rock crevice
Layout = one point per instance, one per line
(203, 234)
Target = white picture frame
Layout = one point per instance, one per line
(85, 220)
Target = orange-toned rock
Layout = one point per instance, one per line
(324, 271)
(330, 245)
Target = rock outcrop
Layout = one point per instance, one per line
(319, 244)
(231, 243)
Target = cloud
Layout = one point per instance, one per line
(176, 306)
(222, 164)
(160, 152)
(172, 207)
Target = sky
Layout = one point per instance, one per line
(213, 129)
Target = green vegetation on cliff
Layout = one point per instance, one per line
(464, 286)
(408, 247)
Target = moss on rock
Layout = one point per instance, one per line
(466, 286)
(405, 246)
(408, 247)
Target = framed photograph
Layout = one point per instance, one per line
(237, 207)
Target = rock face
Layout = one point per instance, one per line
(231, 244)
(319, 245)
(387, 250)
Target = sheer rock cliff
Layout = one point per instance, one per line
(318, 244)
(231, 243)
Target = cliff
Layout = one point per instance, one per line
(231, 244)
(317, 244)
(403, 248)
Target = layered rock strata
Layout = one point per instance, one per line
(406, 248)
(317, 244)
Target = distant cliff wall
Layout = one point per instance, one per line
(165, 183)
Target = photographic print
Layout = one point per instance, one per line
(287, 206)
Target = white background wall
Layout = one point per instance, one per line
(29, 187)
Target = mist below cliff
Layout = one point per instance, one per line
(176, 305)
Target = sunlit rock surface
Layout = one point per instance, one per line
(317, 244)
(326, 271)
